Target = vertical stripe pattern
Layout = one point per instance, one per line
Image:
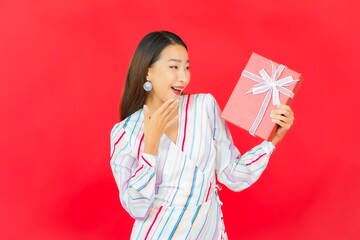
(174, 195)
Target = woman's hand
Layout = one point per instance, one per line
(284, 117)
(156, 124)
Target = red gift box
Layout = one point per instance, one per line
(263, 85)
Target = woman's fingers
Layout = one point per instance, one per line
(173, 111)
(146, 113)
(283, 116)
(164, 108)
(163, 117)
(170, 109)
(283, 112)
(286, 110)
(167, 111)
(172, 121)
(282, 124)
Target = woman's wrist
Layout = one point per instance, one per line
(276, 139)
(151, 148)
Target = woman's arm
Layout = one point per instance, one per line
(134, 177)
(234, 170)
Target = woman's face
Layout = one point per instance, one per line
(169, 75)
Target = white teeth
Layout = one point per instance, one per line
(178, 89)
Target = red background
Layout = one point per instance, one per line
(62, 70)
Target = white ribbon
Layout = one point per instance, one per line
(272, 86)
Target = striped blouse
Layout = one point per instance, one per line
(174, 195)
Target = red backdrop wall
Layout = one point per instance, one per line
(62, 70)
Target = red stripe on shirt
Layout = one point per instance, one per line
(142, 138)
(146, 161)
(137, 171)
(116, 143)
(152, 224)
(207, 196)
(186, 113)
(255, 160)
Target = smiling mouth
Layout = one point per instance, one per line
(177, 90)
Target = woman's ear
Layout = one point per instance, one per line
(148, 74)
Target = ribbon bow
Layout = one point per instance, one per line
(272, 86)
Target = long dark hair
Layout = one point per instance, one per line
(146, 54)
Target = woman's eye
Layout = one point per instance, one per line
(174, 67)
(188, 67)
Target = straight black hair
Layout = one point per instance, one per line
(146, 54)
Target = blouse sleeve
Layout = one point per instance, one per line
(135, 178)
(234, 170)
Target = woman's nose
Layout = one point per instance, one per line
(184, 75)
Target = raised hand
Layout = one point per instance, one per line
(156, 124)
(284, 117)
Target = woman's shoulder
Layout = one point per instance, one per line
(131, 124)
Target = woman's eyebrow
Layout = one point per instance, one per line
(177, 60)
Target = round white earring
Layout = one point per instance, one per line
(147, 86)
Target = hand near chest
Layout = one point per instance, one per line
(163, 120)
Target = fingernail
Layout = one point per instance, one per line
(273, 120)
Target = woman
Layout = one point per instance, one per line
(168, 147)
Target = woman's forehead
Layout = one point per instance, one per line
(174, 52)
